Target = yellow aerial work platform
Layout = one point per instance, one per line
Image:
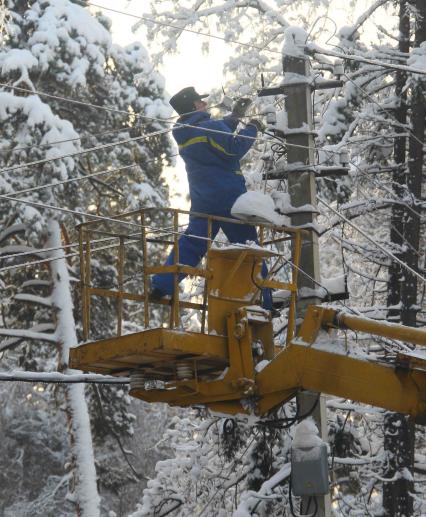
(231, 364)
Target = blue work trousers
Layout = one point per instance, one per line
(192, 250)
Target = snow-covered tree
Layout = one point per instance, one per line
(57, 50)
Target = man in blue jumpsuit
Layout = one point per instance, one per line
(212, 162)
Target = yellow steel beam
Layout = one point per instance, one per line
(99, 291)
(158, 340)
(303, 367)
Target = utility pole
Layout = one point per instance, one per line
(300, 173)
(302, 190)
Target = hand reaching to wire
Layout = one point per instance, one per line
(240, 107)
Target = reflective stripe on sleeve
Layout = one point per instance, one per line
(205, 139)
(195, 140)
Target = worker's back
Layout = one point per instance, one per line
(212, 162)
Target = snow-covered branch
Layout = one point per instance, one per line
(46, 301)
(28, 334)
(61, 378)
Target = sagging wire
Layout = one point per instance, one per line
(248, 45)
(93, 216)
(73, 180)
(97, 217)
(361, 59)
(183, 29)
(177, 124)
(85, 151)
(86, 177)
(150, 135)
(391, 226)
(379, 246)
(366, 94)
(99, 107)
(166, 232)
(56, 142)
(326, 17)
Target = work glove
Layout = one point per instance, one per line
(257, 124)
(240, 107)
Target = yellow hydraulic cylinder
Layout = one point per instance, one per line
(412, 335)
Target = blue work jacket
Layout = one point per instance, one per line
(212, 161)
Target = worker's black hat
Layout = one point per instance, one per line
(183, 101)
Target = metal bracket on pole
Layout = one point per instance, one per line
(327, 171)
(285, 88)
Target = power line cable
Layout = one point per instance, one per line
(133, 224)
(351, 57)
(109, 219)
(182, 29)
(46, 261)
(68, 211)
(11, 148)
(38, 251)
(67, 99)
(373, 100)
(73, 180)
(364, 234)
(76, 254)
(311, 49)
(84, 151)
(86, 177)
(144, 137)
(405, 266)
(123, 222)
(97, 106)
